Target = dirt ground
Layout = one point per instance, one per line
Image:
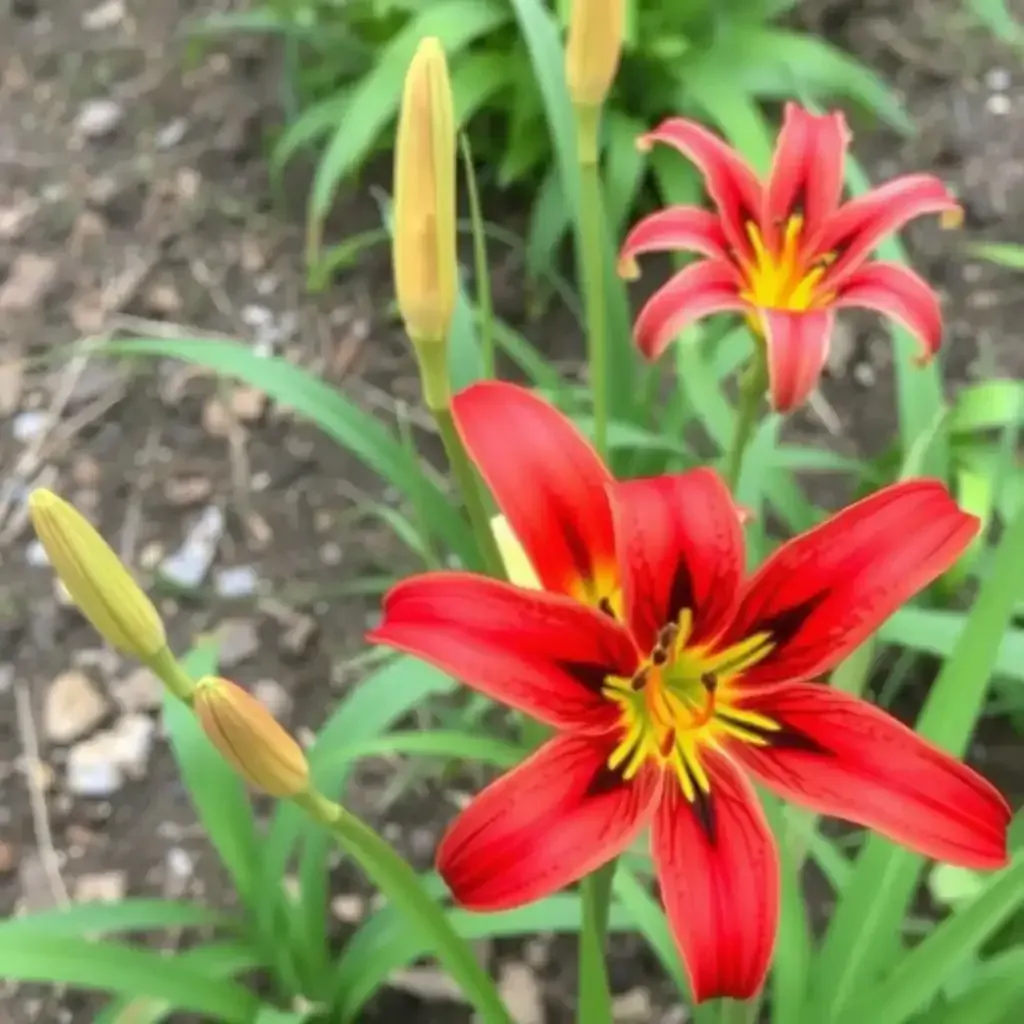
(134, 200)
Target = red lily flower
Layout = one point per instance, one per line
(676, 680)
(785, 252)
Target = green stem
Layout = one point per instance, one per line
(398, 881)
(480, 262)
(594, 1003)
(472, 494)
(752, 387)
(733, 1011)
(172, 675)
(591, 263)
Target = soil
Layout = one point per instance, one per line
(135, 201)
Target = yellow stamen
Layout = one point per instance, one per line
(782, 279)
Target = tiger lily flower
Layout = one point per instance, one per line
(785, 252)
(671, 681)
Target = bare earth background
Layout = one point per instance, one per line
(134, 200)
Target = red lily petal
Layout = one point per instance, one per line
(556, 817)
(718, 868)
(544, 654)
(856, 230)
(730, 182)
(685, 228)
(825, 591)
(697, 291)
(844, 757)
(807, 172)
(549, 483)
(680, 546)
(896, 291)
(797, 350)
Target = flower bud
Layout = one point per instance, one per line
(596, 29)
(423, 243)
(250, 739)
(96, 578)
(518, 567)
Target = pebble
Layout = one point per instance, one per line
(521, 993)
(170, 134)
(102, 887)
(237, 640)
(248, 404)
(999, 104)
(73, 707)
(216, 421)
(998, 79)
(427, 983)
(98, 118)
(29, 278)
(274, 697)
(299, 636)
(8, 858)
(330, 553)
(140, 690)
(98, 767)
(864, 374)
(11, 379)
(35, 554)
(237, 581)
(179, 863)
(348, 907)
(632, 1007)
(104, 16)
(29, 425)
(188, 566)
(187, 490)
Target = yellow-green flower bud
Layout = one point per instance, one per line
(424, 199)
(250, 739)
(97, 580)
(596, 29)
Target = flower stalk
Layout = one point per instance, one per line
(594, 1004)
(752, 389)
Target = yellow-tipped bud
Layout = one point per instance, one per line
(424, 199)
(596, 29)
(518, 567)
(97, 580)
(250, 739)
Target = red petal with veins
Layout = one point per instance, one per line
(841, 756)
(718, 868)
(549, 483)
(862, 223)
(680, 546)
(897, 292)
(797, 351)
(825, 591)
(807, 173)
(697, 291)
(730, 182)
(544, 654)
(677, 228)
(555, 818)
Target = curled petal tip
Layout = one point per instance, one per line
(952, 218)
(628, 268)
(644, 143)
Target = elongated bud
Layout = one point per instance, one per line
(424, 202)
(250, 739)
(595, 44)
(97, 580)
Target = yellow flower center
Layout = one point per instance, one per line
(779, 278)
(679, 699)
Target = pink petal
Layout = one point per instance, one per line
(675, 229)
(797, 350)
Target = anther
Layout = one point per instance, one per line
(605, 606)
(709, 680)
(667, 743)
(659, 656)
(639, 681)
(667, 635)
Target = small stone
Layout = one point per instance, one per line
(330, 553)
(427, 983)
(104, 661)
(537, 953)
(98, 118)
(140, 690)
(162, 298)
(97, 768)
(73, 707)
(864, 374)
(632, 1007)
(29, 425)
(14, 219)
(274, 697)
(521, 993)
(179, 863)
(103, 887)
(170, 134)
(151, 555)
(188, 566)
(216, 419)
(29, 279)
(35, 555)
(299, 636)
(85, 471)
(998, 79)
(236, 581)
(104, 16)
(8, 858)
(133, 734)
(999, 104)
(237, 640)
(348, 907)
(187, 490)
(248, 404)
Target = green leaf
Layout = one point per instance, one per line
(918, 978)
(215, 960)
(995, 998)
(375, 99)
(332, 412)
(316, 121)
(624, 168)
(867, 921)
(990, 405)
(132, 915)
(1006, 254)
(475, 80)
(549, 222)
(996, 16)
(106, 966)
